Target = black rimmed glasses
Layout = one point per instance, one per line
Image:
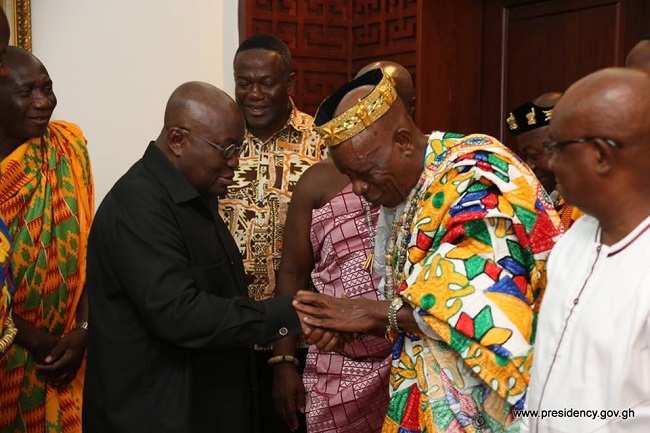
(551, 146)
(227, 152)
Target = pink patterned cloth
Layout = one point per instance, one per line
(346, 392)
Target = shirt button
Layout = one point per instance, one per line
(283, 331)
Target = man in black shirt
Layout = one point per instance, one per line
(170, 321)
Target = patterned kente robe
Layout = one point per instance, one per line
(7, 328)
(347, 391)
(471, 262)
(46, 199)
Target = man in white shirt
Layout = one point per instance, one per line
(591, 370)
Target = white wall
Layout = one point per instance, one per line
(114, 64)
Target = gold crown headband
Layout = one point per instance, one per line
(361, 115)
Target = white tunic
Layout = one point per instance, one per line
(592, 352)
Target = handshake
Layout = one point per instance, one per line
(330, 322)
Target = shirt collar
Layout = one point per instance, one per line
(629, 239)
(171, 179)
(297, 120)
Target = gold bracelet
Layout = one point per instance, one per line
(279, 359)
(392, 327)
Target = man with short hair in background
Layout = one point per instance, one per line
(279, 146)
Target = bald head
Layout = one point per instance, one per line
(612, 103)
(401, 77)
(202, 137)
(16, 57)
(23, 67)
(547, 99)
(4, 40)
(196, 104)
(603, 164)
(27, 98)
(639, 56)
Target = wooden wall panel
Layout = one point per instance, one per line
(449, 65)
(551, 45)
(532, 47)
(472, 60)
(330, 40)
(384, 30)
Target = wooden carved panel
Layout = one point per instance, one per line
(384, 30)
(330, 40)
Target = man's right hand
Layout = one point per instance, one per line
(288, 393)
(38, 343)
(42, 345)
(326, 340)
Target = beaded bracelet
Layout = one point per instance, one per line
(392, 327)
(283, 358)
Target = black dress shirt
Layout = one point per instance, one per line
(170, 320)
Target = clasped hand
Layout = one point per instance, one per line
(330, 322)
(59, 362)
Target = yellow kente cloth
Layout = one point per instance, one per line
(47, 201)
(568, 214)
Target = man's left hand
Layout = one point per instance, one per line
(341, 314)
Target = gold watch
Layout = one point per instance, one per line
(392, 327)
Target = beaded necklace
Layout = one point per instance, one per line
(400, 237)
(370, 261)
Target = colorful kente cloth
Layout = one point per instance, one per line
(46, 198)
(346, 392)
(256, 206)
(470, 256)
(7, 328)
(568, 214)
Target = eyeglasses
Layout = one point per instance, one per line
(227, 152)
(552, 146)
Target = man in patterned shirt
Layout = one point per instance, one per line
(279, 146)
